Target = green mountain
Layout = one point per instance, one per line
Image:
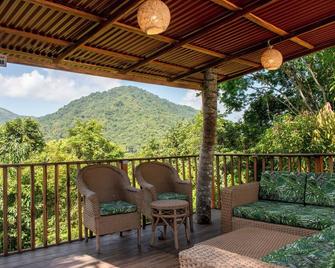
(6, 115)
(131, 115)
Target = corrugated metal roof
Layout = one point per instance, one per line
(37, 32)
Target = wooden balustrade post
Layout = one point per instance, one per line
(124, 166)
(5, 209)
(318, 160)
(205, 170)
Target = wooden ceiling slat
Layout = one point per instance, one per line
(277, 40)
(99, 28)
(200, 31)
(263, 23)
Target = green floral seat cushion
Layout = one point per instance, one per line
(116, 207)
(320, 189)
(172, 196)
(282, 186)
(317, 251)
(298, 215)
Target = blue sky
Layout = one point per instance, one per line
(37, 91)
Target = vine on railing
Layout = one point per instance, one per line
(40, 204)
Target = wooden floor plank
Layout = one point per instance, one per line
(116, 251)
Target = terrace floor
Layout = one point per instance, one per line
(116, 251)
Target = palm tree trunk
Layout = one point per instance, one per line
(209, 109)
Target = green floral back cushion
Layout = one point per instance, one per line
(172, 196)
(116, 207)
(320, 189)
(317, 251)
(283, 186)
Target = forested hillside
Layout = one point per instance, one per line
(131, 116)
(6, 115)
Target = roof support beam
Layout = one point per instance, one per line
(262, 23)
(94, 31)
(129, 28)
(305, 29)
(197, 33)
(20, 57)
(66, 9)
(99, 51)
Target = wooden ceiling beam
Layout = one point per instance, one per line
(20, 57)
(98, 51)
(132, 29)
(98, 28)
(262, 23)
(199, 32)
(279, 39)
(66, 9)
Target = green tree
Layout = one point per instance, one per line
(304, 84)
(304, 133)
(19, 139)
(87, 141)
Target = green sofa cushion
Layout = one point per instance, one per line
(116, 207)
(320, 189)
(283, 186)
(309, 252)
(172, 196)
(298, 215)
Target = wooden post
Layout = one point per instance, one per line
(205, 170)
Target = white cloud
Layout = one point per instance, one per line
(192, 99)
(52, 86)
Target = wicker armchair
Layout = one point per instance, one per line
(160, 181)
(110, 203)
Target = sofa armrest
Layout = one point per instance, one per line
(236, 196)
(204, 256)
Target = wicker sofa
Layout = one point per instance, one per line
(301, 204)
(296, 203)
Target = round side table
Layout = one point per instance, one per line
(170, 213)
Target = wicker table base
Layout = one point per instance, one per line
(170, 213)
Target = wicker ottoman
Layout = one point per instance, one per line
(240, 248)
(170, 213)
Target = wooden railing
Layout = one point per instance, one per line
(40, 205)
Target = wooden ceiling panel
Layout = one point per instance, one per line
(227, 40)
(296, 13)
(102, 36)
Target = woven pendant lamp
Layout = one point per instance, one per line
(153, 17)
(271, 59)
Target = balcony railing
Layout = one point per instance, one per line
(40, 204)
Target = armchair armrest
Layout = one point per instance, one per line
(135, 196)
(236, 196)
(211, 257)
(91, 204)
(91, 201)
(183, 187)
